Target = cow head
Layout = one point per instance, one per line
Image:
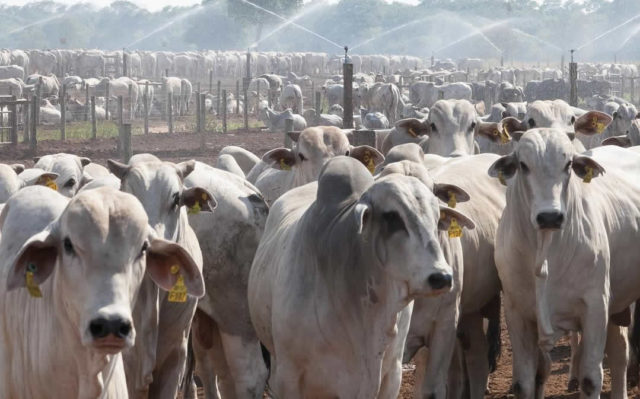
(543, 166)
(100, 247)
(69, 169)
(159, 187)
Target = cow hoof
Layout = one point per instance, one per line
(574, 385)
(587, 386)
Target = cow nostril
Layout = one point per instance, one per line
(121, 329)
(99, 328)
(550, 220)
(439, 280)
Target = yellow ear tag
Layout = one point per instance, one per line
(599, 126)
(412, 132)
(32, 287)
(51, 184)
(587, 178)
(368, 160)
(195, 209)
(455, 230)
(178, 292)
(452, 200)
(501, 178)
(283, 165)
(205, 197)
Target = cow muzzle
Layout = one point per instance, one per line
(550, 220)
(110, 335)
(440, 283)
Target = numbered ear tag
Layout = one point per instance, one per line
(412, 132)
(178, 292)
(32, 287)
(368, 160)
(455, 231)
(599, 126)
(49, 182)
(195, 209)
(283, 165)
(452, 200)
(501, 178)
(504, 138)
(589, 175)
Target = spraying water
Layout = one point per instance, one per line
(537, 39)
(319, 36)
(179, 17)
(631, 35)
(615, 28)
(39, 22)
(476, 32)
(306, 10)
(385, 33)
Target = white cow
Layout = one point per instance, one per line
(14, 178)
(339, 261)
(82, 262)
(70, 170)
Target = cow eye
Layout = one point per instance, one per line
(68, 246)
(346, 154)
(572, 121)
(302, 158)
(473, 126)
(70, 183)
(531, 123)
(524, 167)
(176, 200)
(433, 127)
(393, 222)
(567, 167)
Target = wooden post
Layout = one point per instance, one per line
(203, 112)
(106, 101)
(258, 97)
(318, 106)
(39, 96)
(86, 102)
(120, 116)
(125, 140)
(210, 80)
(170, 110)
(246, 110)
(63, 113)
(198, 119)
(313, 89)
(33, 139)
(94, 127)
(13, 120)
(125, 58)
(347, 120)
(166, 72)
(288, 127)
(248, 74)
(26, 127)
(145, 104)
(364, 137)
(131, 104)
(632, 90)
(224, 110)
(237, 97)
(573, 80)
(218, 101)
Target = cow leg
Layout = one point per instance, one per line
(524, 344)
(574, 371)
(441, 344)
(542, 374)
(246, 365)
(594, 329)
(617, 357)
(392, 361)
(457, 386)
(475, 355)
(204, 332)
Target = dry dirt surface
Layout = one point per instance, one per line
(185, 146)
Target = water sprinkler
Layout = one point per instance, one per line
(572, 51)
(346, 55)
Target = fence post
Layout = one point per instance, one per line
(26, 127)
(125, 142)
(33, 140)
(94, 127)
(347, 119)
(106, 101)
(125, 58)
(120, 115)
(288, 127)
(13, 120)
(203, 112)
(218, 101)
(145, 104)
(238, 97)
(224, 111)
(170, 109)
(573, 78)
(258, 97)
(210, 80)
(86, 103)
(198, 119)
(633, 90)
(63, 113)
(132, 106)
(246, 110)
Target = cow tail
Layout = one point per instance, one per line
(492, 312)
(188, 379)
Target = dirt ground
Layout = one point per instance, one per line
(184, 146)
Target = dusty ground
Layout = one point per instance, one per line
(184, 146)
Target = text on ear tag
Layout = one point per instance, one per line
(455, 230)
(589, 175)
(51, 184)
(32, 287)
(178, 292)
(283, 165)
(599, 126)
(501, 178)
(368, 161)
(452, 200)
(195, 209)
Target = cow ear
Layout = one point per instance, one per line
(362, 214)
(38, 255)
(280, 158)
(447, 215)
(18, 168)
(504, 168)
(36, 160)
(198, 199)
(586, 168)
(450, 194)
(47, 179)
(620, 141)
(493, 131)
(414, 127)
(511, 125)
(84, 161)
(185, 168)
(167, 260)
(593, 122)
(120, 170)
(294, 136)
(368, 156)
(516, 136)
